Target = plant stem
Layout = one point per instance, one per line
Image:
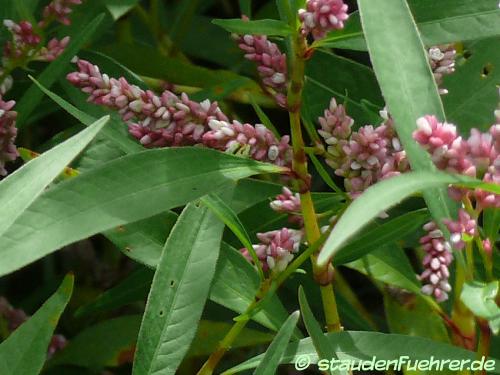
(322, 275)
(483, 347)
(461, 315)
(209, 366)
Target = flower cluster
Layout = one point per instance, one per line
(436, 261)
(276, 248)
(362, 157)
(288, 203)
(15, 317)
(478, 156)
(465, 225)
(321, 16)
(168, 120)
(271, 63)
(58, 10)
(256, 142)
(24, 40)
(8, 132)
(442, 61)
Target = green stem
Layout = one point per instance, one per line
(209, 366)
(299, 165)
(483, 347)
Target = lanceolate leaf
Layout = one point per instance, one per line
(389, 265)
(229, 217)
(33, 96)
(355, 345)
(179, 291)
(439, 22)
(323, 347)
(274, 353)
(377, 199)
(123, 191)
(25, 350)
(21, 189)
(379, 236)
(259, 27)
(407, 82)
(107, 343)
(235, 285)
(111, 133)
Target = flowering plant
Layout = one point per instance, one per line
(313, 180)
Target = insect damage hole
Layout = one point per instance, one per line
(486, 71)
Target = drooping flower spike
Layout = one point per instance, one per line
(167, 120)
(271, 63)
(442, 61)
(436, 262)
(8, 133)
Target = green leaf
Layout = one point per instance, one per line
(473, 88)
(404, 312)
(19, 190)
(389, 265)
(407, 83)
(351, 83)
(106, 197)
(441, 22)
(259, 27)
(143, 240)
(54, 71)
(491, 220)
(210, 333)
(25, 350)
(119, 8)
(133, 288)
(352, 345)
(231, 220)
(480, 299)
(323, 347)
(235, 285)
(110, 132)
(376, 199)
(106, 344)
(275, 352)
(390, 231)
(179, 291)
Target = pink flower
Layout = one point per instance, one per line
(436, 261)
(276, 249)
(442, 61)
(256, 142)
(58, 10)
(448, 150)
(54, 48)
(288, 202)
(322, 16)
(271, 64)
(167, 120)
(24, 39)
(335, 129)
(8, 133)
(465, 225)
(372, 154)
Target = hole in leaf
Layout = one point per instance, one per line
(486, 71)
(467, 54)
(161, 312)
(172, 283)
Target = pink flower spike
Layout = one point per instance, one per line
(321, 16)
(58, 10)
(438, 258)
(8, 133)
